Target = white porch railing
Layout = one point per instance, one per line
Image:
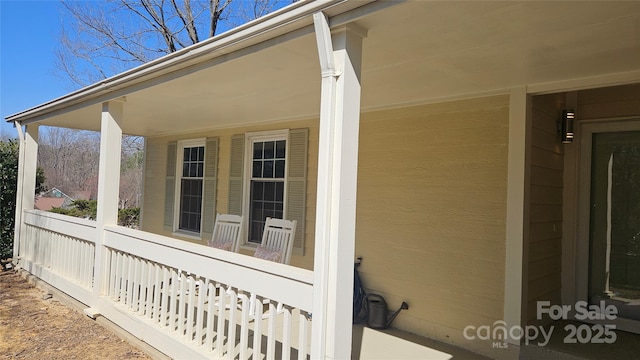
(186, 300)
(60, 250)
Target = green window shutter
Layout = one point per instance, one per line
(235, 174)
(296, 184)
(210, 186)
(170, 185)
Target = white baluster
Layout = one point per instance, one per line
(181, 302)
(211, 298)
(244, 327)
(191, 306)
(302, 336)
(164, 303)
(222, 301)
(257, 328)
(231, 334)
(286, 332)
(271, 330)
(202, 294)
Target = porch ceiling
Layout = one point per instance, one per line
(414, 51)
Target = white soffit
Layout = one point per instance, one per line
(430, 50)
(414, 52)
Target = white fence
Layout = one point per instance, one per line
(186, 300)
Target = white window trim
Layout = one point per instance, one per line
(181, 144)
(249, 139)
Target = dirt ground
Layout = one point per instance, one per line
(33, 328)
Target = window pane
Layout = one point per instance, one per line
(190, 204)
(191, 188)
(269, 191)
(193, 222)
(193, 205)
(200, 172)
(279, 173)
(186, 187)
(270, 213)
(264, 203)
(268, 169)
(257, 150)
(266, 196)
(257, 210)
(184, 219)
(255, 234)
(257, 169)
(281, 149)
(269, 151)
(257, 191)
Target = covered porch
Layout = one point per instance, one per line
(426, 120)
(163, 283)
(138, 303)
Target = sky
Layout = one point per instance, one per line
(28, 34)
(28, 31)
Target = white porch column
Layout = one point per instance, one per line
(340, 53)
(108, 187)
(26, 182)
(517, 229)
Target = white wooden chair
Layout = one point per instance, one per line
(277, 244)
(226, 232)
(277, 240)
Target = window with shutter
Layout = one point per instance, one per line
(191, 186)
(297, 184)
(268, 179)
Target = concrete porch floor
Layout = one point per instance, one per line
(626, 346)
(371, 344)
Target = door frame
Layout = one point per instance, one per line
(586, 129)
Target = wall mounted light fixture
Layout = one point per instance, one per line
(566, 126)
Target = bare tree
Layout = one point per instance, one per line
(4, 134)
(69, 159)
(101, 39)
(131, 181)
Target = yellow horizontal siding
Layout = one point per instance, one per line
(547, 158)
(545, 204)
(546, 195)
(431, 214)
(545, 213)
(431, 208)
(545, 231)
(610, 102)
